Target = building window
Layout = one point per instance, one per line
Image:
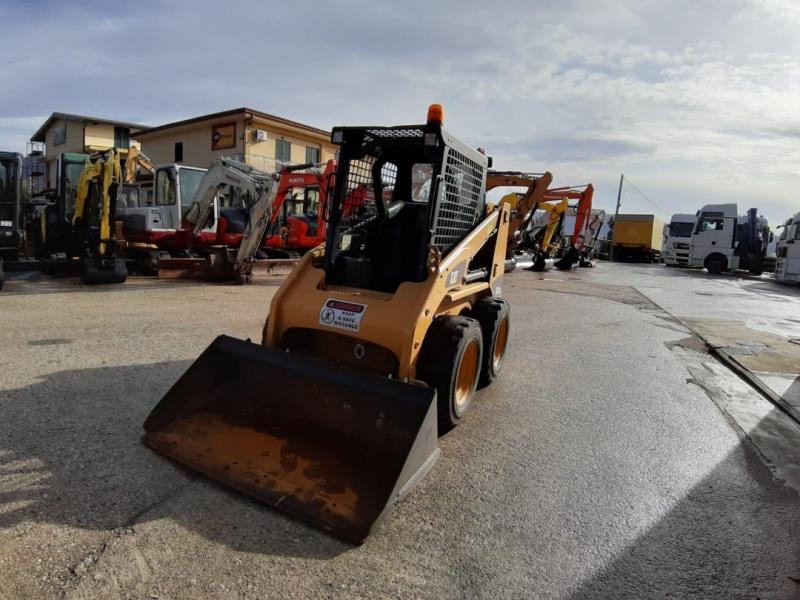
(59, 135)
(122, 137)
(283, 150)
(178, 151)
(312, 154)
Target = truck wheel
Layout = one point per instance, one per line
(494, 317)
(715, 264)
(450, 361)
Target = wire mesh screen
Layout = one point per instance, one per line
(358, 204)
(459, 200)
(359, 199)
(396, 133)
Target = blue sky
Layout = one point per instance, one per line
(696, 102)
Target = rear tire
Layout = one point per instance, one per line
(450, 361)
(494, 317)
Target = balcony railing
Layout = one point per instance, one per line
(262, 163)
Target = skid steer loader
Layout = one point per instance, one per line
(375, 342)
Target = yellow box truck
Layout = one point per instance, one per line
(637, 238)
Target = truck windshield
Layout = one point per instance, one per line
(683, 230)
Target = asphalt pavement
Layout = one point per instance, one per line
(605, 462)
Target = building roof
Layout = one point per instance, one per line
(40, 133)
(244, 111)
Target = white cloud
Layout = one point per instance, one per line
(696, 101)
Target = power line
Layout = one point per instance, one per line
(642, 194)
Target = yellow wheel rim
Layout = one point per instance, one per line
(467, 374)
(500, 344)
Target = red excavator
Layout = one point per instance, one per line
(298, 217)
(576, 247)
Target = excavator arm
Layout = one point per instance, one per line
(107, 169)
(136, 160)
(93, 219)
(536, 184)
(583, 209)
(226, 172)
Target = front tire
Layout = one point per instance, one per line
(494, 317)
(450, 361)
(716, 264)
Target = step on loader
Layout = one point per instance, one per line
(375, 343)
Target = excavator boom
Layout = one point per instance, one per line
(95, 203)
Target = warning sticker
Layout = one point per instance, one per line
(344, 315)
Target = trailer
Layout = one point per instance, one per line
(637, 238)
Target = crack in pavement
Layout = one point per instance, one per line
(80, 570)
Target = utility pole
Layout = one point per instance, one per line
(616, 212)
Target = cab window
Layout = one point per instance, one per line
(710, 224)
(165, 187)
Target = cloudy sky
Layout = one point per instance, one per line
(695, 101)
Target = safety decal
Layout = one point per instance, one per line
(344, 315)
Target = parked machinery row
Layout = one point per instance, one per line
(104, 212)
(719, 239)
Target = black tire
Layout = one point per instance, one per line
(451, 341)
(715, 264)
(539, 262)
(494, 317)
(94, 272)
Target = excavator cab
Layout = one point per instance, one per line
(371, 345)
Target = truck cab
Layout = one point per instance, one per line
(11, 237)
(723, 241)
(787, 267)
(678, 240)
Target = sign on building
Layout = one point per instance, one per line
(223, 137)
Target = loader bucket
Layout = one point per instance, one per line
(329, 445)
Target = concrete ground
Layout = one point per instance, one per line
(613, 458)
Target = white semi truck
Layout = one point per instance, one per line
(787, 267)
(725, 241)
(678, 240)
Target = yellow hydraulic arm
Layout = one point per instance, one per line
(108, 170)
(521, 205)
(556, 211)
(137, 158)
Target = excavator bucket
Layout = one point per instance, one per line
(326, 444)
(95, 270)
